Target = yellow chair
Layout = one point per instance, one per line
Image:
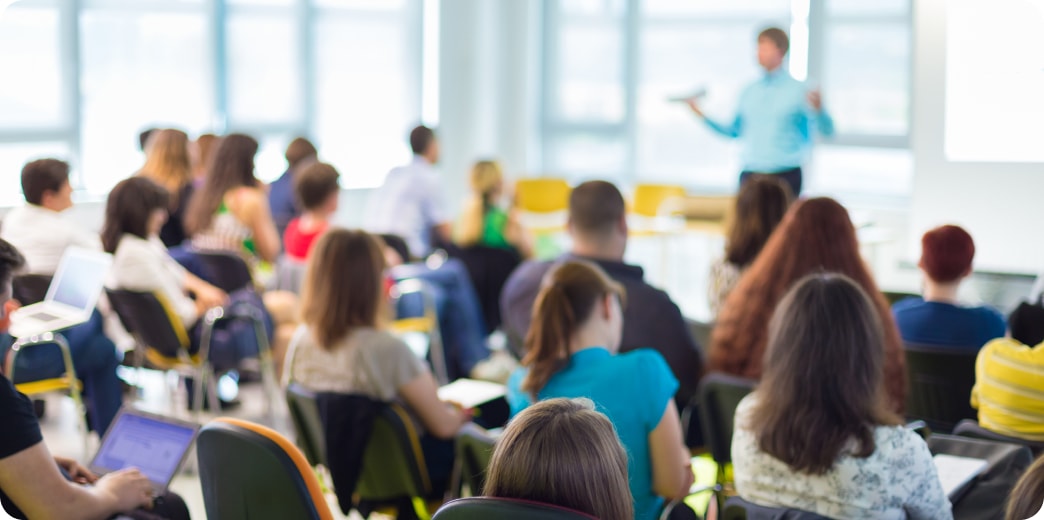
(542, 195)
(651, 200)
(67, 382)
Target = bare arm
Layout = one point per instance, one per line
(672, 474)
(32, 480)
(258, 216)
(439, 418)
(207, 296)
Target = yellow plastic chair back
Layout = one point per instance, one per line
(542, 195)
(649, 198)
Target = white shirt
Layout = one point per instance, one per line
(897, 481)
(144, 265)
(409, 204)
(42, 235)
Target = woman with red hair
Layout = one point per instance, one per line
(815, 236)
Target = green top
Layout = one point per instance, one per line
(494, 223)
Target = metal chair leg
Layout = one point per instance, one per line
(70, 377)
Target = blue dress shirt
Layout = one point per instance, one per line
(775, 123)
(945, 324)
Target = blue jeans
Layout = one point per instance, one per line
(234, 340)
(459, 313)
(95, 359)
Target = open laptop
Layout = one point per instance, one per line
(71, 297)
(154, 444)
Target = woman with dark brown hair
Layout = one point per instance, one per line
(760, 205)
(572, 348)
(562, 452)
(816, 235)
(817, 434)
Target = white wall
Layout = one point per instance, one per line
(1002, 205)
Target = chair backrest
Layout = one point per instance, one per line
(393, 464)
(649, 199)
(718, 396)
(474, 451)
(896, 296)
(939, 385)
(971, 429)
(248, 471)
(489, 268)
(308, 424)
(30, 288)
(397, 244)
(987, 493)
(227, 271)
(289, 275)
(475, 508)
(148, 316)
(738, 509)
(542, 195)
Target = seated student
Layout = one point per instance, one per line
(760, 205)
(1027, 497)
(572, 350)
(134, 215)
(316, 191)
(816, 235)
(281, 192)
(598, 228)
(343, 348)
(1009, 388)
(483, 221)
(31, 481)
(168, 163)
(817, 434)
(562, 452)
(40, 233)
(937, 318)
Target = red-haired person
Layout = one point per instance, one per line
(938, 318)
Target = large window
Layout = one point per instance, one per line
(103, 70)
(611, 68)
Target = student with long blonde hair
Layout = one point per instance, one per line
(345, 348)
(484, 222)
(572, 348)
(168, 163)
(562, 452)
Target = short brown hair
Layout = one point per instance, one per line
(822, 386)
(946, 253)
(760, 206)
(42, 176)
(343, 286)
(776, 36)
(299, 150)
(1028, 494)
(314, 184)
(421, 138)
(595, 207)
(563, 452)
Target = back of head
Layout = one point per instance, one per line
(314, 185)
(822, 385)
(568, 295)
(562, 452)
(595, 209)
(128, 208)
(777, 36)
(760, 207)
(206, 144)
(300, 150)
(947, 253)
(11, 262)
(167, 159)
(231, 167)
(1027, 497)
(42, 176)
(343, 285)
(421, 138)
(486, 179)
(144, 136)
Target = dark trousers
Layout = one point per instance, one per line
(792, 177)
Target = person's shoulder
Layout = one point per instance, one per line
(896, 438)
(907, 304)
(988, 314)
(646, 360)
(528, 273)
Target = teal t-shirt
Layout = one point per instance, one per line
(632, 389)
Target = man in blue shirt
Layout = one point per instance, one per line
(299, 152)
(776, 117)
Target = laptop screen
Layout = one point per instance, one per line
(79, 279)
(152, 444)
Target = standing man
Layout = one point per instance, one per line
(776, 117)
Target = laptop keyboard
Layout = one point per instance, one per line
(43, 316)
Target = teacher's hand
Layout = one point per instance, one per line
(816, 100)
(694, 106)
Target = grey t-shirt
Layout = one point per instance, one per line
(367, 361)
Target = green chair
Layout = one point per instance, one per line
(308, 424)
(394, 468)
(248, 471)
(474, 451)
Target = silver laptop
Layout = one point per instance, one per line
(154, 444)
(71, 297)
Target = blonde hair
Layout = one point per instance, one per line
(167, 161)
(486, 178)
(563, 452)
(343, 286)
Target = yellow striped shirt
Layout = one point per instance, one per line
(1009, 388)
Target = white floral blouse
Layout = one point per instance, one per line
(897, 481)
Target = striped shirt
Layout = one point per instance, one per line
(1009, 388)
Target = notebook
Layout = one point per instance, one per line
(71, 297)
(154, 444)
(957, 473)
(470, 393)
